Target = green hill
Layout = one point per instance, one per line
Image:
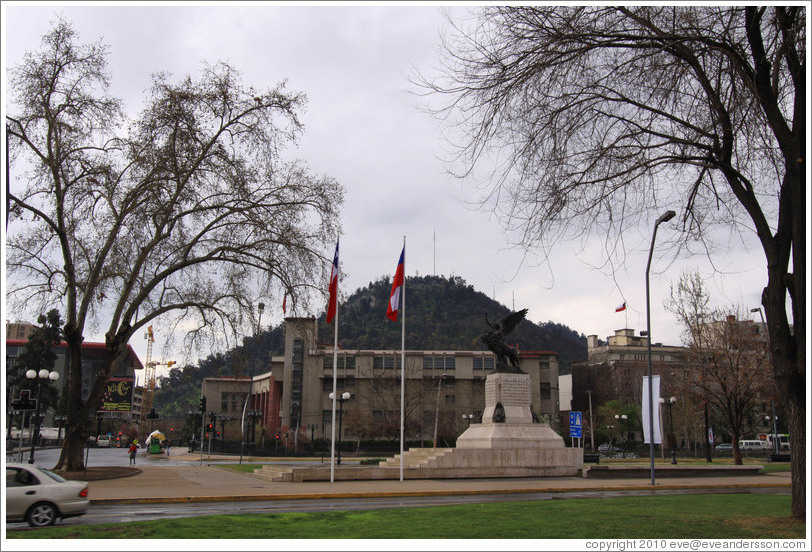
(441, 314)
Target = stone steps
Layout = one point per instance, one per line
(417, 458)
(275, 473)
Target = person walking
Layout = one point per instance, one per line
(132, 451)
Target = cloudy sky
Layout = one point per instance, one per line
(362, 126)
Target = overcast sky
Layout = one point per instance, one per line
(362, 127)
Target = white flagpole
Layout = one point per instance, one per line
(403, 358)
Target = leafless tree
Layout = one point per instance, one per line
(593, 118)
(185, 214)
(732, 371)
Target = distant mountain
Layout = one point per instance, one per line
(441, 314)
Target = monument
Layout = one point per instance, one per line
(510, 441)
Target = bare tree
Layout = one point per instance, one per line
(594, 117)
(186, 214)
(731, 370)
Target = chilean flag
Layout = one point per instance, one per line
(622, 307)
(331, 306)
(397, 285)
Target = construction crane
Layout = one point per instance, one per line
(149, 385)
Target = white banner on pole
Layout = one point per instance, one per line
(655, 397)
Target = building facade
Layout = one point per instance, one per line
(121, 401)
(443, 389)
(614, 372)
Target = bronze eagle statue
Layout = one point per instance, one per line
(507, 358)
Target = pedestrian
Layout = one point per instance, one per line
(132, 451)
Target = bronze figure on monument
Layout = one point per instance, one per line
(507, 358)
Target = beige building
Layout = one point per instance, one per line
(445, 385)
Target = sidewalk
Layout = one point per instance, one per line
(211, 483)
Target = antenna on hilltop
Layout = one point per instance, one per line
(435, 252)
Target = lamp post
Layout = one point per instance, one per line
(260, 308)
(665, 217)
(341, 400)
(670, 404)
(46, 376)
(437, 409)
(468, 418)
(622, 420)
(775, 429)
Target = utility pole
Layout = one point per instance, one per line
(591, 424)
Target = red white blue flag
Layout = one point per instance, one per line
(621, 307)
(397, 286)
(332, 304)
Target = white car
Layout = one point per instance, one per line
(103, 441)
(39, 496)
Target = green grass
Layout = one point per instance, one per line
(720, 516)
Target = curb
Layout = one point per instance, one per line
(391, 494)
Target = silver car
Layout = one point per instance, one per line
(39, 496)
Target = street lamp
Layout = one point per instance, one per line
(46, 376)
(344, 397)
(468, 417)
(670, 403)
(665, 217)
(622, 419)
(260, 308)
(775, 430)
(437, 409)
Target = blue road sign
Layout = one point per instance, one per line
(575, 424)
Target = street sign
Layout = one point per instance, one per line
(575, 424)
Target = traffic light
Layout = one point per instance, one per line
(209, 427)
(203, 404)
(277, 436)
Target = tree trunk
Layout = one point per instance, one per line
(76, 431)
(787, 350)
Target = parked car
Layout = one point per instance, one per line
(607, 449)
(40, 497)
(724, 447)
(103, 441)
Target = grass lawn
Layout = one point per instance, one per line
(722, 516)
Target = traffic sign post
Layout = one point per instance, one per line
(576, 426)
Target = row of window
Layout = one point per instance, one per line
(393, 362)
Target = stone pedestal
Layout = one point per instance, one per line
(507, 398)
(506, 444)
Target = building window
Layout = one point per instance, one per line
(544, 388)
(450, 399)
(439, 362)
(483, 363)
(544, 364)
(342, 362)
(387, 362)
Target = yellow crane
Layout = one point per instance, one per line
(149, 365)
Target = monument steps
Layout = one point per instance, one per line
(275, 473)
(417, 457)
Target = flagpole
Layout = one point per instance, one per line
(403, 360)
(335, 395)
(334, 297)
